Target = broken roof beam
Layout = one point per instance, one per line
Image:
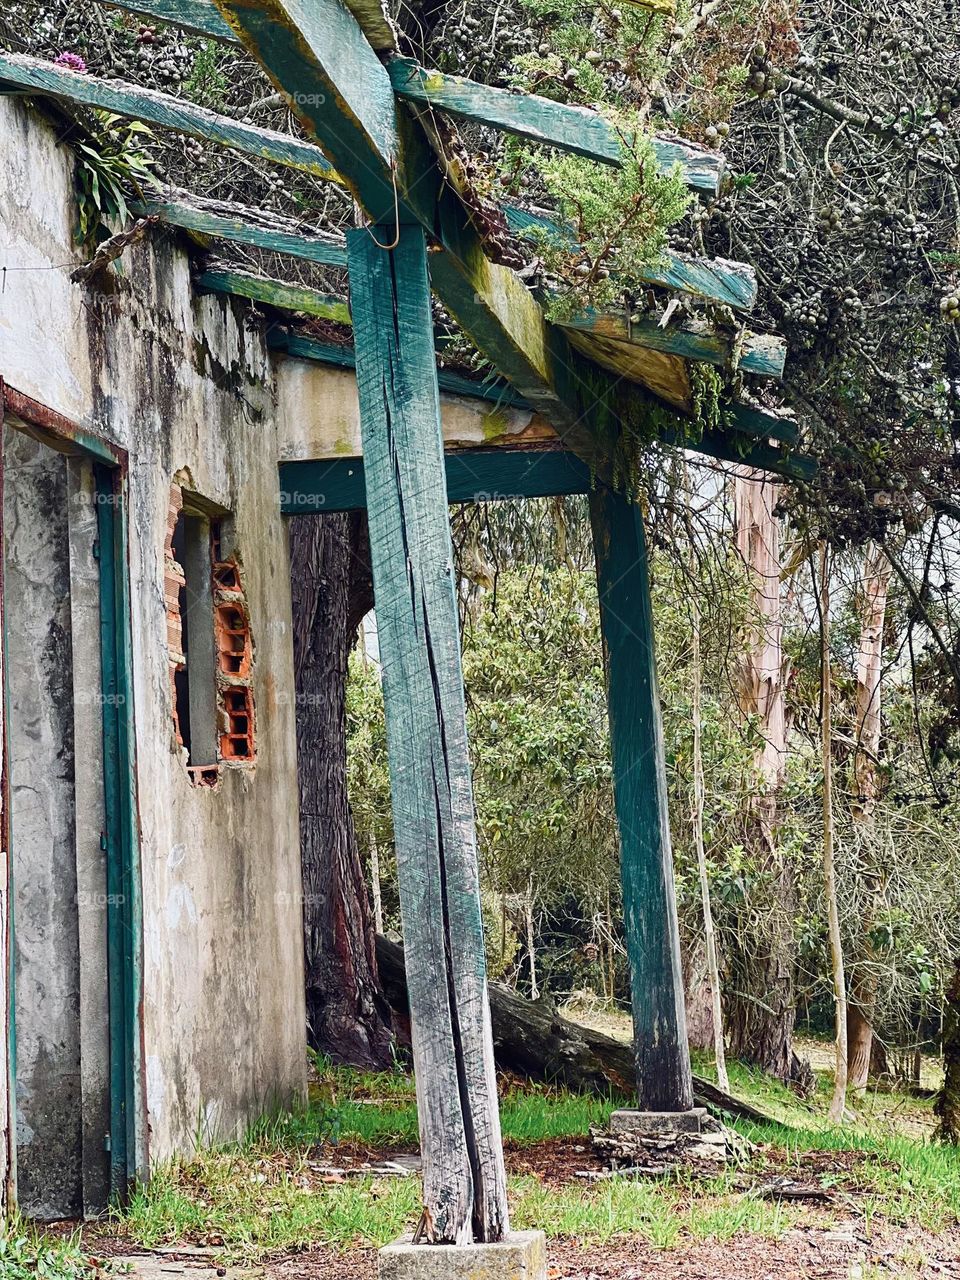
(243, 225)
(554, 124)
(35, 76)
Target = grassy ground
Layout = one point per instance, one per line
(303, 1180)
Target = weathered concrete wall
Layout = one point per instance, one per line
(41, 749)
(179, 382)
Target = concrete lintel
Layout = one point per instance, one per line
(522, 1255)
(658, 1121)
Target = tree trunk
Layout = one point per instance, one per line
(760, 992)
(839, 1101)
(532, 1040)
(948, 1102)
(709, 933)
(330, 579)
(866, 784)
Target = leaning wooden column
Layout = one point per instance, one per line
(434, 830)
(639, 776)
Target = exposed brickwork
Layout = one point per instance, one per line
(234, 645)
(173, 581)
(234, 664)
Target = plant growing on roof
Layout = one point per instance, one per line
(619, 220)
(110, 162)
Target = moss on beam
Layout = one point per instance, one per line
(274, 293)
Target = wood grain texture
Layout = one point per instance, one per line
(664, 1080)
(276, 293)
(243, 225)
(432, 795)
(693, 339)
(479, 475)
(33, 75)
(318, 57)
(556, 124)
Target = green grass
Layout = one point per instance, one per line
(28, 1254)
(269, 1194)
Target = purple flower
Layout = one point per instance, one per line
(72, 61)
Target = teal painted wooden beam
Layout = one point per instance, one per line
(746, 441)
(243, 225)
(651, 929)
(758, 353)
(320, 61)
(474, 475)
(493, 389)
(433, 816)
(733, 284)
(555, 124)
(275, 293)
(34, 76)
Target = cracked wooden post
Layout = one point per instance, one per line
(664, 1081)
(432, 793)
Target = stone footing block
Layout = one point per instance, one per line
(658, 1121)
(522, 1255)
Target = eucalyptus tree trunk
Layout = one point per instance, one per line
(709, 933)
(760, 993)
(839, 1101)
(865, 781)
(348, 1017)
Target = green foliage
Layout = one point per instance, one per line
(620, 218)
(206, 82)
(27, 1254)
(111, 162)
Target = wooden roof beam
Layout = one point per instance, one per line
(35, 76)
(555, 124)
(729, 283)
(206, 219)
(759, 353)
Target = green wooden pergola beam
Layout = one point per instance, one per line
(35, 76)
(555, 124)
(731, 284)
(294, 344)
(243, 225)
(693, 340)
(275, 293)
(746, 441)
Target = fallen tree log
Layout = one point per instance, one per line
(532, 1039)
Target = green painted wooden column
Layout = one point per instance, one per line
(640, 787)
(432, 793)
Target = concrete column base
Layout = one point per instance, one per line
(522, 1255)
(642, 1122)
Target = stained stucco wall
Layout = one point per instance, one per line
(179, 382)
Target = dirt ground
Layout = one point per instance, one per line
(841, 1253)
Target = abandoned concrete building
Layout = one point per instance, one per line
(160, 421)
(154, 872)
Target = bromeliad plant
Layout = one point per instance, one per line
(110, 162)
